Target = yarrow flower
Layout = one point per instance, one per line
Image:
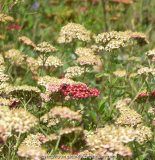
(14, 26)
(78, 91)
(27, 41)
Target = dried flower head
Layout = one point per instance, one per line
(73, 31)
(27, 41)
(75, 71)
(45, 47)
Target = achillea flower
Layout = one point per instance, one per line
(11, 102)
(32, 140)
(83, 51)
(1, 59)
(3, 77)
(136, 59)
(33, 152)
(96, 48)
(15, 57)
(151, 110)
(73, 31)
(146, 71)
(120, 73)
(22, 121)
(150, 54)
(51, 61)
(50, 121)
(109, 141)
(143, 134)
(4, 18)
(91, 60)
(63, 112)
(77, 91)
(27, 41)
(75, 71)
(138, 36)
(45, 47)
(14, 26)
(143, 96)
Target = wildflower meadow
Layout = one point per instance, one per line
(77, 79)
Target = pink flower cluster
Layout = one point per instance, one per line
(78, 91)
(144, 94)
(13, 26)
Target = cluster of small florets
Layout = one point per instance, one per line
(45, 96)
(64, 112)
(32, 152)
(11, 102)
(150, 54)
(83, 51)
(128, 117)
(15, 57)
(73, 31)
(113, 40)
(120, 73)
(138, 36)
(4, 18)
(143, 95)
(18, 120)
(108, 141)
(78, 91)
(151, 110)
(22, 120)
(1, 59)
(45, 47)
(13, 26)
(52, 84)
(51, 121)
(146, 71)
(3, 77)
(96, 48)
(51, 61)
(27, 41)
(32, 140)
(143, 134)
(75, 71)
(91, 60)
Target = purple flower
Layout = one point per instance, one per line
(35, 6)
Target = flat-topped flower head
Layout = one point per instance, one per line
(45, 47)
(51, 61)
(85, 60)
(73, 31)
(83, 51)
(14, 26)
(14, 56)
(32, 152)
(75, 71)
(4, 18)
(26, 41)
(150, 54)
(120, 73)
(64, 113)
